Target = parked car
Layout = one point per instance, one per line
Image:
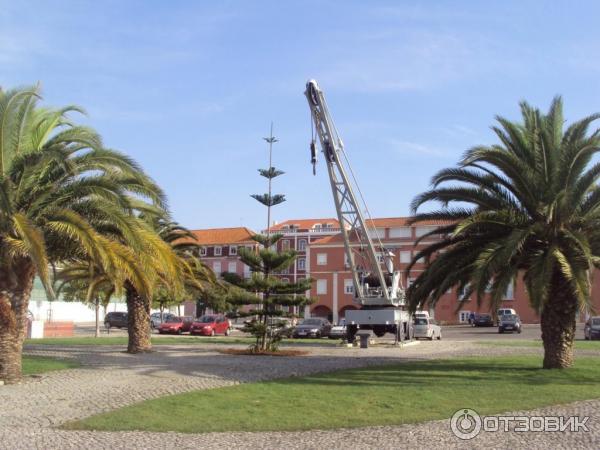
(338, 331)
(211, 324)
(314, 327)
(115, 319)
(175, 325)
(509, 322)
(155, 318)
(504, 312)
(426, 328)
(422, 314)
(283, 326)
(591, 330)
(483, 320)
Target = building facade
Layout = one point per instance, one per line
(298, 235)
(219, 251)
(332, 285)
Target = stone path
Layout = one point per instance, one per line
(109, 379)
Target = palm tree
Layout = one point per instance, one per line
(61, 193)
(528, 207)
(175, 271)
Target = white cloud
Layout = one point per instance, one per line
(412, 148)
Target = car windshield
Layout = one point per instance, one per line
(420, 321)
(207, 319)
(174, 320)
(311, 322)
(509, 318)
(484, 316)
(595, 321)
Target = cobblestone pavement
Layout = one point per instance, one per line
(109, 379)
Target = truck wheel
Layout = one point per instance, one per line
(351, 331)
(379, 330)
(440, 336)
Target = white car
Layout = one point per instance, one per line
(426, 328)
(338, 331)
(504, 312)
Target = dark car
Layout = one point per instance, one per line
(509, 322)
(483, 320)
(313, 327)
(591, 330)
(176, 325)
(115, 320)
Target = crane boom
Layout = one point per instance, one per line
(379, 290)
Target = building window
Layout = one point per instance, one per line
(321, 259)
(246, 271)
(348, 287)
(301, 264)
(376, 233)
(232, 250)
(401, 232)
(404, 257)
(321, 287)
(217, 267)
(284, 271)
(302, 245)
(202, 251)
(420, 260)
(232, 267)
(317, 227)
(218, 251)
(510, 292)
(285, 280)
(421, 231)
(461, 292)
(285, 245)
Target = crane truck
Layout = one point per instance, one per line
(378, 289)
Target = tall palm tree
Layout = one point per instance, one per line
(61, 192)
(175, 272)
(528, 207)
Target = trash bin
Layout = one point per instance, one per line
(365, 337)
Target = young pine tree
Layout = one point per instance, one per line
(264, 289)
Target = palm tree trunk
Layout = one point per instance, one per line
(138, 326)
(15, 291)
(558, 325)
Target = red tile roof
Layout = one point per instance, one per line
(305, 224)
(237, 235)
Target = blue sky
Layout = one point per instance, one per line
(190, 88)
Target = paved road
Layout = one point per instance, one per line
(111, 379)
(451, 333)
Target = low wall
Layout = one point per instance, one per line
(58, 329)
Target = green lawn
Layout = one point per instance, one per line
(579, 345)
(34, 365)
(390, 395)
(170, 340)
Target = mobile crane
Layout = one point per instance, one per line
(379, 293)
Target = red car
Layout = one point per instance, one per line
(175, 325)
(210, 325)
